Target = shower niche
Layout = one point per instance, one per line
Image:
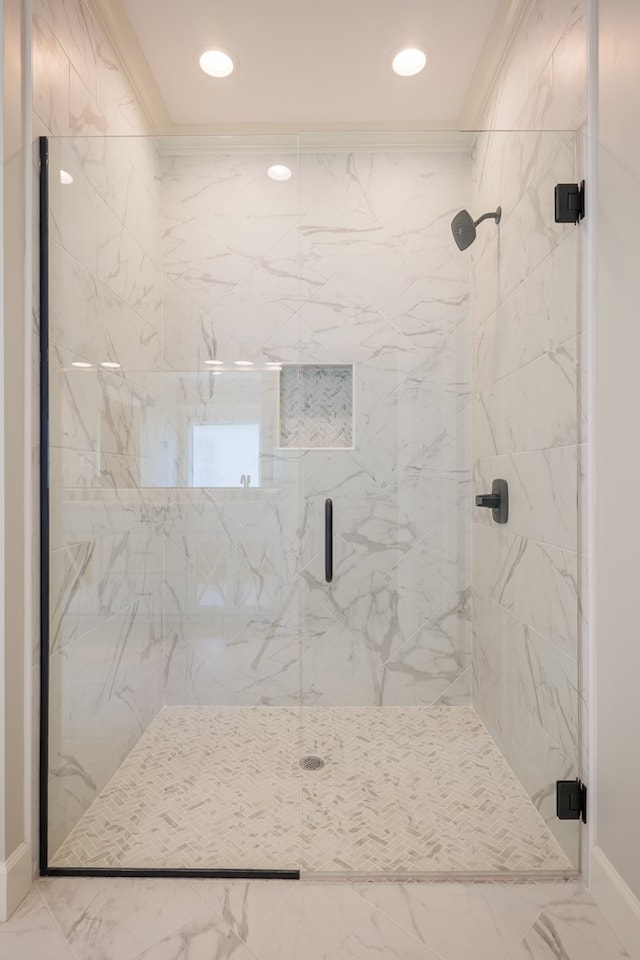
(220, 360)
(316, 407)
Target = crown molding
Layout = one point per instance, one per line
(111, 16)
(506, 24)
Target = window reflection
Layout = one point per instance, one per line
(225, 455)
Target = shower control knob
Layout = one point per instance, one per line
(497, 501)
(491, 500)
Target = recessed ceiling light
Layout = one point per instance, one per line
(216, 63)
(273, 363)
(110, 364)
(80, 363)
(65, 178)
(409, 62)
(279, 172)
(215, 363)
(243, 363)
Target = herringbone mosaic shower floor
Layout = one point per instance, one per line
(403, 791)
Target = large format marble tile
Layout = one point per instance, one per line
(207, 938)
(542, 493)
(533, 408)
(258, 920)
(539, 316)
(102, 919)
(377, 936)
(555, 605)
(438, 656)
(32, 933)
(570, 925)
(306, 921)
(457, 921)
(117, 333)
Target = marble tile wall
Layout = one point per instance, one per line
(363, 273)
(526, 425)
(107, 658)
(106, 556)
(392, 298)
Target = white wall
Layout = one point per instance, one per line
(15, 854)
(617, 462)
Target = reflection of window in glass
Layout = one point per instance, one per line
(225, 455)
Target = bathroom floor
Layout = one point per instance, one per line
(125, 919)
(403, 791)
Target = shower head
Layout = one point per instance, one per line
(463, 226)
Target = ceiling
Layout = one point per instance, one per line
(311, 63)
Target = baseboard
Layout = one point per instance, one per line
(616, 901)
(15, 880)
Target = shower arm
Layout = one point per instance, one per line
(488, 216)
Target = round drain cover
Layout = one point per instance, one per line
(312, 763)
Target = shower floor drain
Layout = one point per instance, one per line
(311, 762)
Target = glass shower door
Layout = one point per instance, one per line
(440, 691)
(172, 648)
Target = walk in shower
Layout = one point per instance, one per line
(278, 634)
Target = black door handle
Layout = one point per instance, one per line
(328, 540)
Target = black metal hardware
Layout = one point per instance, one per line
(328, 540)
(177, 872)
(43, 240)
(571, 800)
(497, 501)
(569, 202)
(491, 500)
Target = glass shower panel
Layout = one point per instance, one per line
(440, 658)
(272, 404)
(174, 722)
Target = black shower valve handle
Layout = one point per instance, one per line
(491, 500)
(497, 501)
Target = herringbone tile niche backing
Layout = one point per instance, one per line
(316, 407)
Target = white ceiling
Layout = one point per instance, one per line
(314, 63)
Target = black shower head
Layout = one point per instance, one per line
(463, 226)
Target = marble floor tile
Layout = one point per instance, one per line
(569, 921)
(244, 904)
(31, 933)
(457, 921)
(403, 792)
(137, 919)
(204, 939)
(309, 923)
(550, 940)
(105, 919)
(379, 938)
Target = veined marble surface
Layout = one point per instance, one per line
(94, 919)
(367, 275)
(526, 428)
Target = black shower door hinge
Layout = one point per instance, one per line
(569, 202)
(571, 800)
